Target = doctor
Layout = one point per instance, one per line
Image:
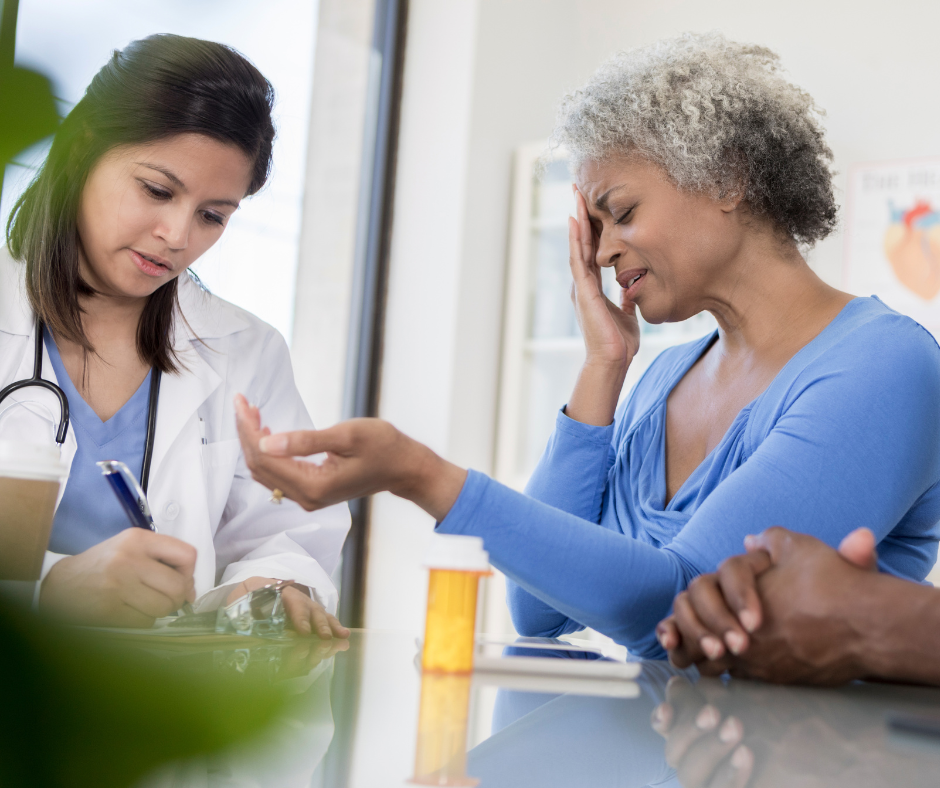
(142, 178)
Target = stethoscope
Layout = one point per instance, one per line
(36, 380)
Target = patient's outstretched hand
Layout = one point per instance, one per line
(363, 457)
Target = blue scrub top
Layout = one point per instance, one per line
(89, 512)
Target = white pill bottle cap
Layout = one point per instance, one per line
(457, 553)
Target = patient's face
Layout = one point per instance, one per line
(682, 244)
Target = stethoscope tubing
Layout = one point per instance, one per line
(36, 380)
(63, 429)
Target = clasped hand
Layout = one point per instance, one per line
(776, 613)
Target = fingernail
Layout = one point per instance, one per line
(735, 641)
(748, 620)
(742, 758)
(662, 714)
(273, 444)
(711, 646)
(750, 541)
(731, 731)
(707, 719)
(304, 627)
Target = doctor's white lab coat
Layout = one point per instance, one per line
(200, 488)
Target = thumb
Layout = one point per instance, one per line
(301, 443)
(859, 548)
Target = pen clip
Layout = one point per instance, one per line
(129, 493)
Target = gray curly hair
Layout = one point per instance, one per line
(719, 118)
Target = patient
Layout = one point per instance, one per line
(701, 174)
(793, 610)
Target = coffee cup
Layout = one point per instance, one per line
(30, 478)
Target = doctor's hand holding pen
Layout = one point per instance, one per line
(128, 580)
(138, 576)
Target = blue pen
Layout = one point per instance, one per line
(129, 493)
(132, 498)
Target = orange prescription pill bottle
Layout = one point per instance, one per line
(456, 564)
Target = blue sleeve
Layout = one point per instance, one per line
(855, 445)
(592, 575)
(571, 476)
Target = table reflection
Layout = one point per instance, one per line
(708, 733)
(369, 717)
(288, 753)
(441, 749)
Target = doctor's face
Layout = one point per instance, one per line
(148, 212)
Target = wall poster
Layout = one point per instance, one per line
(892, 237)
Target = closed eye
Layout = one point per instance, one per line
(626, 215)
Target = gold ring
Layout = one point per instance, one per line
(276, 496)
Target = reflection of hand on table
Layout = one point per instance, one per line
(704, 748)
(304, 655)
(305, 614)
(747, 734)
(128, 580)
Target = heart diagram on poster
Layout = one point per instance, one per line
(912, 246)
(892, 236)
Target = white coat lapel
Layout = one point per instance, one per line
(182, 394)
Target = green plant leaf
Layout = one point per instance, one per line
(76, 710)
(28, 111)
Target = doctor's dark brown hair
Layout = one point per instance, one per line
(152, 89)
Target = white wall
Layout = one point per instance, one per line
(482, 77)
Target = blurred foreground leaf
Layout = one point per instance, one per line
(27, 111)
(77, 711)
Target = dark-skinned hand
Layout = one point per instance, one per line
(777, 613)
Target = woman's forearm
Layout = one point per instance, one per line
(595, 395)
(899, 626)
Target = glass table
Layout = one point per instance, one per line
(364, 716)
